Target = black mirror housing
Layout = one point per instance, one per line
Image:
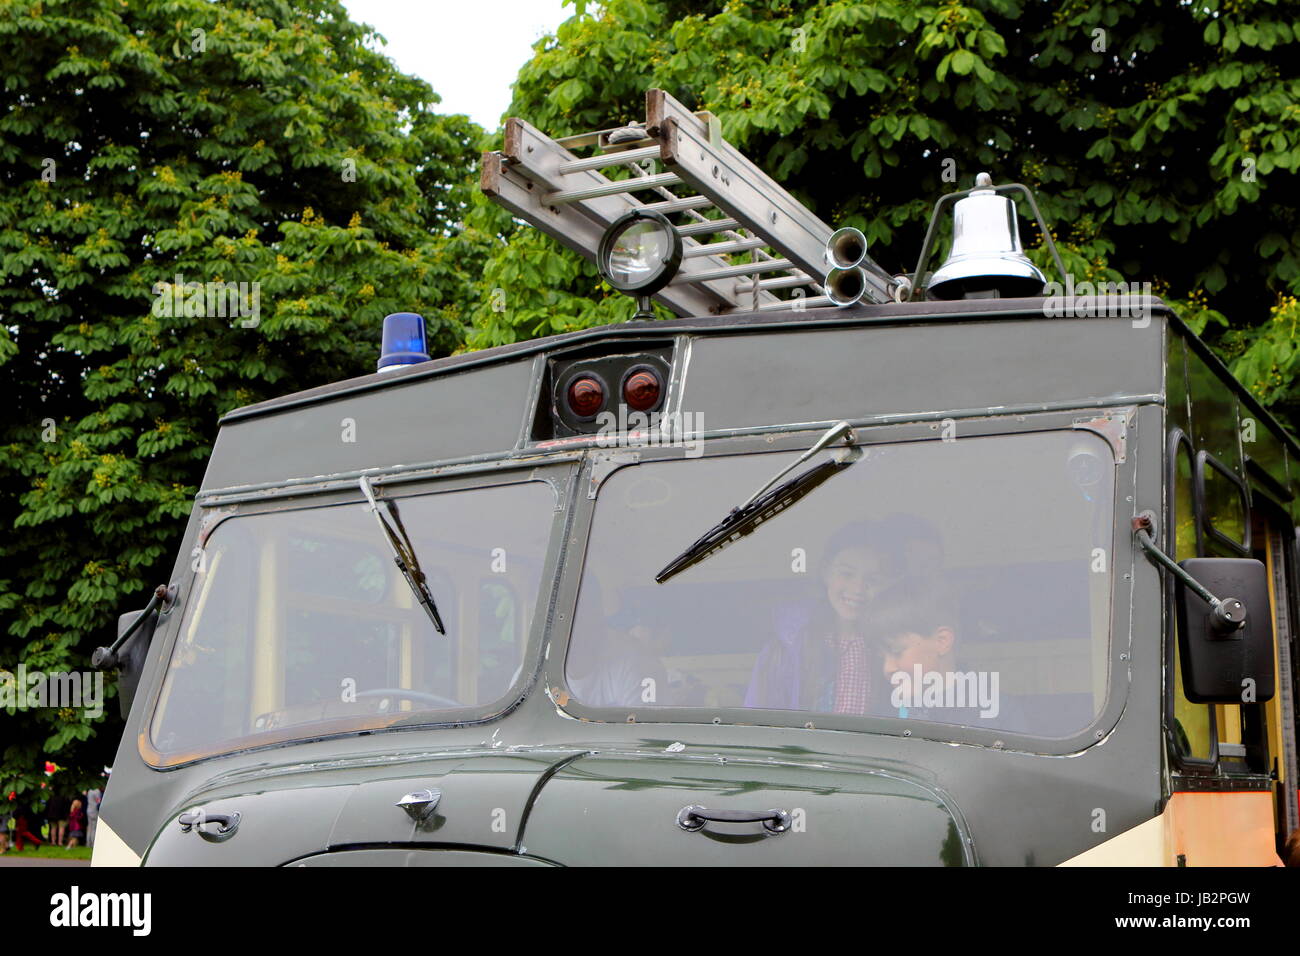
(1223, 666)
(131, 657)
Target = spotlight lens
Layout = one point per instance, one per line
(641, 390)
(639, 252)
(586, 396)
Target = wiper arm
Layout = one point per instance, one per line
(765, 504)
(404, 556)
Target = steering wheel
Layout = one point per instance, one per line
(413, 695)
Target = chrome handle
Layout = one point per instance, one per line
(226, 823)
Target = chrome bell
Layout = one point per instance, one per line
(987, 259)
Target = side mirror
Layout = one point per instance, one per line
(131, 657)
(128, 652)
(1226, 654)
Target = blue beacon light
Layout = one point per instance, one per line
(403, 341)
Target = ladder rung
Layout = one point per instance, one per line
(705, 228)
(611, 159)
(783, 282)
(677, 205)
(744, 269)
(614, 188)
(721, 248)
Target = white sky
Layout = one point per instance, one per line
(469, 51)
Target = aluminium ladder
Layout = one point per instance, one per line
(544, 182)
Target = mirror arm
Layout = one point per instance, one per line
(106, 657)
(1227, 615)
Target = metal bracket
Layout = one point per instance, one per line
(1112, 427)
(1227, 615)
(420, 804)
(602, 466)
(559, 485)
(210, 522)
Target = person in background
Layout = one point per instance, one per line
(56, 815)
(4, 828)
(76, 825)
(23, 828)
(93, 800)
(629, 667)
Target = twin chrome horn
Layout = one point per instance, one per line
(846, 282)
(847, 279)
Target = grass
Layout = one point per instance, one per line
(49, 852)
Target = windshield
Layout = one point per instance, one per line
(963, 582)
(299, 622)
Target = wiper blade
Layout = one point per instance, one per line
(404, 555)
(765, 504)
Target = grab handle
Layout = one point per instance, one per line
(694, 818)
(226, 822)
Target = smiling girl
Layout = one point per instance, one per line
(820, 659)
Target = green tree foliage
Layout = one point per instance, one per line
(1161, 139)
(259, 141)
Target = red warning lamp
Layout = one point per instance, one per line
(586, 396)
(642, 390)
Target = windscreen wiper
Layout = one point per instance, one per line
(764, 504)
(404, 555)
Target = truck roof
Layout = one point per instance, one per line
(862, 313)
(988, 370)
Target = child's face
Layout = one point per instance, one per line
(904, 651)
(855, 576)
